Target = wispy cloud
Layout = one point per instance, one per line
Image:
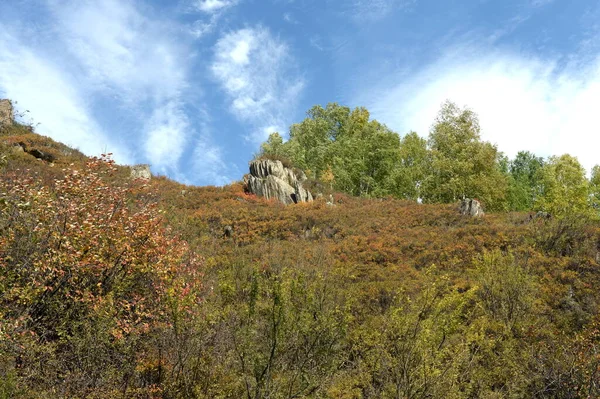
(52, 97)
(209, 164)
(213, 11)
(213, 6)
(136, 59)
(256, 71)
(289, 18)
(115, 58)
(202, 27)
(373, 10)
(540, 3)
(524, 102)
(166, 136)
(122, 50)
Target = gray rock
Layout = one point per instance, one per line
(330, 201)
(141, 172)
(7, 115)
(471, 207)
(270, 179)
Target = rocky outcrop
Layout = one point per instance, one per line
(141, 172)
(44, 156)
(6, 112)
(270, 179)
(37, 153)
(471, 207)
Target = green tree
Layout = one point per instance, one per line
(564, 187)
(595, 188)
(310, 140)
(462, 165)
(360, 153)
(364, 157)
(274, 145)
(524, 181)
(410, 172)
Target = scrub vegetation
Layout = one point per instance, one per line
(120, 288)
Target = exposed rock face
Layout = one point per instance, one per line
(6, 112)
(270, 179)
(471, 207)
(141, 172)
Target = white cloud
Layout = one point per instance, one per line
(114, 58)
(258, 75)
(202, 28)
(166, 136)
(139, 61)
(214, 9)
(122, 51)
(52, 97)
(524, 103)
(212, 6)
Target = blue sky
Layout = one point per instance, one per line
(193, 86)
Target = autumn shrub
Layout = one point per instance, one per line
(88, 276)
(317, 187)
(370, 298)
(567, 236)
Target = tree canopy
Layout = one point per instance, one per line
(360, 153)
(564, 187)
(462, 165)
(365, 158)
(355, 154)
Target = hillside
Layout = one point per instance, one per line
(113, 287)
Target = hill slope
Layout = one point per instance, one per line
(209, 292)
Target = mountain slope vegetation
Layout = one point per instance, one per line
(112, 287)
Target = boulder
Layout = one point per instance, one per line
(141, 172)
(330, 201)
(44, 156)
(471, 207)
(270, 179)
(7, 116)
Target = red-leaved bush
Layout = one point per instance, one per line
(91, 283)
